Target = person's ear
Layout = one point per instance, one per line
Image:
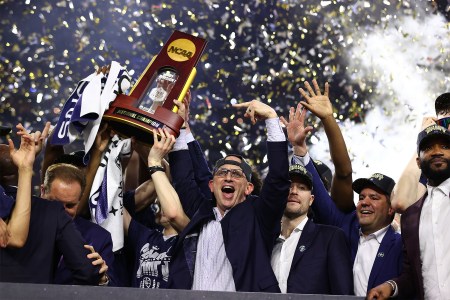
(42, 191)
(211, 185)
(249, 189)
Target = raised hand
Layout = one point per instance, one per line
(39, 137)
(428, 121)
(296, 129)
(317, 103)
(183, 108)
(161, 146)
(256, 110)
(103, 137)
(103, 69)
(23, 157)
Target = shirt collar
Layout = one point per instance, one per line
(218, 215)
(378, 235)
(444, 187)
(298, 228)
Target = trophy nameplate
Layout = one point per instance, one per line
(150, 105)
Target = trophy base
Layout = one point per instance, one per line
(129, 121)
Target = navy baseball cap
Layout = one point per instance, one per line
(300, 171)
(323, 170)
(430, 132)
(384, 183)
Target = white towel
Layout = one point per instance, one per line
(106, 196)
(91, 106)
(83, 111)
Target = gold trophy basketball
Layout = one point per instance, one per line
(150, 105)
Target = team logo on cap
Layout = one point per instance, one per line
(435, 128)
(377, 176)
(298, 168)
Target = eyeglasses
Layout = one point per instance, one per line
(155, 207)
(444, 122)
(235, 173)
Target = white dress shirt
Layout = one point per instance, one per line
(213, 271)
(365, 257)
(434, 241)
(283, 253)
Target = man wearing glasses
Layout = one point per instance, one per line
(228, 243)
(412, 184)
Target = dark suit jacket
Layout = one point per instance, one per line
(249, 229)
(100, 239)
(387, 264)
(321, 263)
(52, 234)
(410, 282)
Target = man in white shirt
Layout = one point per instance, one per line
(425, 225)
(228, 242)
(309, 258)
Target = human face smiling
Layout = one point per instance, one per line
(373, 210)
(229, 190)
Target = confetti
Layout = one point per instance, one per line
(376, 55)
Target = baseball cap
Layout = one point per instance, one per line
(382, 182)
(429, 132)
(243, 165)
(324, 172)
(300, 171)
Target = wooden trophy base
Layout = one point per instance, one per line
(129, 121)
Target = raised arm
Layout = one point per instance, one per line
(23, 158)
(51, 152)
(409, 189)
(168, 197)
(325, 210)
(275, 189)
(145, 193)
(202, 173)
(319, 104)
(101, 143)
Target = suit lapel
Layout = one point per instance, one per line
(305, 241)
(410, 232)
(383, 251)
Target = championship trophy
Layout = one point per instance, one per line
(150, 105)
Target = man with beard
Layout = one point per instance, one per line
(411, 185)
(425, 227)
(375, 247)
(309, 258)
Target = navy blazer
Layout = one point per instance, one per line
(388, 262)
(249, 229)
(321, 263)
(52, 234)
(97, 237)
(410, 282)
